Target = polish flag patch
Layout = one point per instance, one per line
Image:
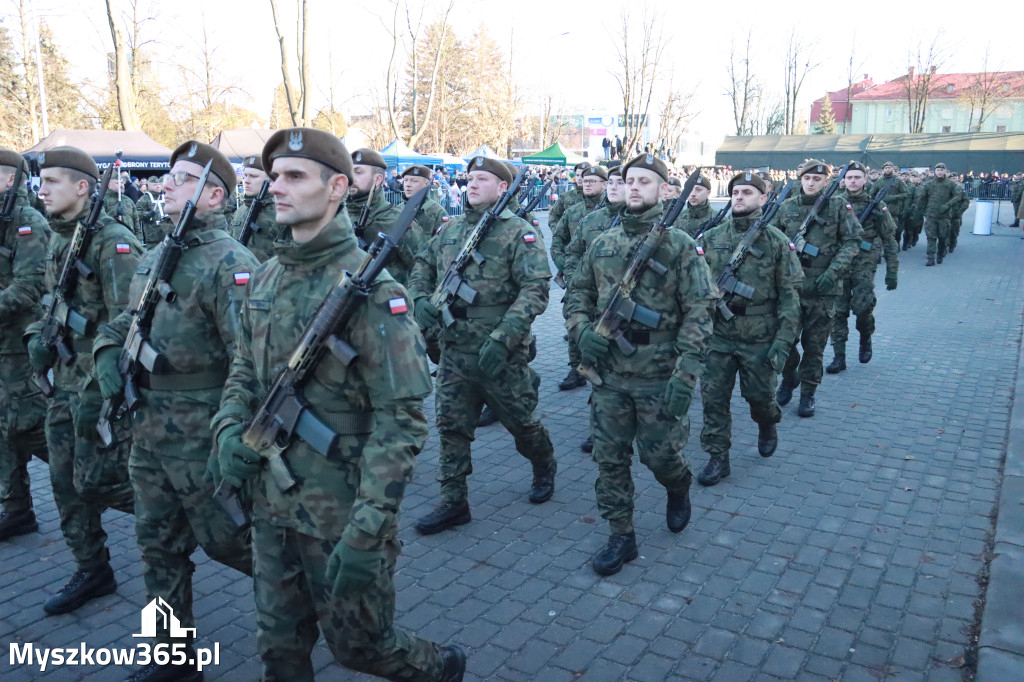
(529, 238)
(849, 207)
(24, 230)
(792, 246)
(123, 248)
(536, 223)
(700, 251)
(884, 209)
(398, 306)
(445, 219)
(241, 278)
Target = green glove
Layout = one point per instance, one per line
(237, 462)
(351, 570)
(826, 282)
(88, 415)
(592, 345)
(777, 354)
(212, 474)
(493, 356)
(39, 356)
(677, 397)
(110, 379)
(890, 281)
(425, 313)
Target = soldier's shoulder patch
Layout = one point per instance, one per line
(24, 230)
(242, 278)
(849, 207)
(536, 223)
(445, 219)
(884, 209)
(700, 250)
(123, 247)
(398, 306)
(792, 246)
(529, 237)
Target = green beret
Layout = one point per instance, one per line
(253, 162)
(69, 157)
(153, 179)
(511, 168)
(857, 166)
(674, 182)
(752, 179)
(202, 153)
(704, 181)
(615, 170)
(813, 166)
(418, 171)
(888, 163)
(580, 166)
(9, 157)
(648, 161)
(494, 166)
(308, 143)
(599, 171)
(940, 165)
(368, 157)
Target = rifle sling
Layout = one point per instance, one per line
(478, 312)
(769, 308)
(643, 337)
(183, 382)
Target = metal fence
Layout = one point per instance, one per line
(991, 191)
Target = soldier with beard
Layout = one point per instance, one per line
(266, 230)
(698, 208)
(895, 198)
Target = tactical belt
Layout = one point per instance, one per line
(642, 337)
(814, 271)
(477, 312)
(82, 346)
(769, 308)
(341, 423)
(183, 382)
(821, 259)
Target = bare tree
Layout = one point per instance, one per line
(296, 97)
(122, 75)
(639, 49)
(919, 85)
(677, 113)
(853, 66)
(988, 91)
(743, 88)
(799, 63)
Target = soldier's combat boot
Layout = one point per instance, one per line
(941, 252)
(447, 515)
(454, 661)
(17, 523)
(952, 247)
(677, 511)
(486, 417)
(83, 586)
(930, 261)
(785, 393)
(572, 380)
(717, 468)
(543, 486)
(865, 349)
(588, 444)
(767, 439)
(806, 408)
(620, 549)
(838, 364)
(168, 672)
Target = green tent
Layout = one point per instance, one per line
(555, 155)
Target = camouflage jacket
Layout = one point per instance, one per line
(265, 232)
(1016, 191)
(149, 216)
(937, 198)
(24, 240)
(896, 198)
(692, 217)
(128, 215)
(514, 206)
(771, 267)
(682, 296)
(836, 233)
(960, 204)
(878, 236)
(355, 492)
(562, 233)
(565, 200)
(195, 333)
(113, 255)
(514, 277)
(431, 217)
(592, 225)
(382, 216)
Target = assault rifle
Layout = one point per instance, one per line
(137, 353)
(10, 200)
(729, 282)
(453, 285)
(284, 412)
(802, 246)
(364, 217)
(523, 210)
(876, 200)
(621, 309)
(60, 318)
(249, 226)
(559, 277)
(715, 220)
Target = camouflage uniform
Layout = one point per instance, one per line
(128, 215)
(431, 217)
(352, 495)
(629, 405)
(149, 218)
(961, 203)
(264, 233)
(936, 200)
(172, 441)
(382, 216)
(561, 235)
(86, 477)
(837, 234)
(565, 200)
(742, 343)
(22, 406)
(593, 224)
(692, 217)
(896, 199)
(512, 290)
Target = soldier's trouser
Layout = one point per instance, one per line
(574, 354)
(101, 473)
(621, 413)
(954, 231)
(462, 390)
(293, 597)
(815, 324)
(859, 296)
(900, 226)
(757, 386)
(22, 414)
(937, 231)
(174, 513)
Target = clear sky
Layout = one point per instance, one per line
(563, 47)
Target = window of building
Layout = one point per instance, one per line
(888, 115)
(1000, 129)
(947, 129)
(949, 88)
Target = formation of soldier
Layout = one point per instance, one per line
(188, 330)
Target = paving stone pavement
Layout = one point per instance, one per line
(852, 554)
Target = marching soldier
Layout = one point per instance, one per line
(324, 552)
(936, 200)
(150, 214)
(643, 397)
(755, 342)
(895, 198)
(698, 208)
(431, 215)
(961, 202)
(23, 241)
(367, 192)
(673, 189)
(485, 353)
(85, 476)
(171, 438)
(119, 207)
(569, 196)
(266, 230)
(836, 234)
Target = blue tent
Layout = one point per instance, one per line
(400, 155)
(454, 162)
(486, 152)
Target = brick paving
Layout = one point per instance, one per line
(854, 553)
